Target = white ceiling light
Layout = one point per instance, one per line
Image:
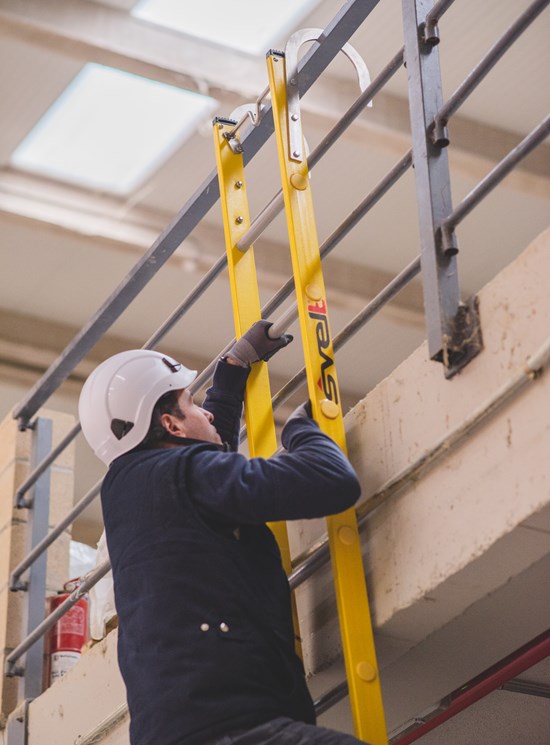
(110, 129)
(249, 26)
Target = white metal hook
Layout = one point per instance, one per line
(293, 94)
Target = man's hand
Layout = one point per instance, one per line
(256, 345)
(301, 412)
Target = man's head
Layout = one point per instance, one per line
(177, 416)
(118, 399)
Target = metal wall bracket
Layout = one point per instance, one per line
(295, 136)
(465, 342)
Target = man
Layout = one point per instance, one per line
(206, 643)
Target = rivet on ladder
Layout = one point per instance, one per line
(347, 535)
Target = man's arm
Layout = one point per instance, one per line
(225, 400)
(313, 479)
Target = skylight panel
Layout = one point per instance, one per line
(110, 129)
(250, 26)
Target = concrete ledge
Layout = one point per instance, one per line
(480, 514)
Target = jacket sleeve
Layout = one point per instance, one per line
(312, 479)
(225, 401)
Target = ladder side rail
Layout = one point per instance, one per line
(348, 572)
(245, 297)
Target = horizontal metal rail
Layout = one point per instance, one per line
(296, 578)
(471, 82)
(312, 64)
(438, 10)
(528, 687)
(318, 555)
(98, 733)
(482, 685)
(400, 168)
(43, 466)
(369, 311)
(330, 698)
(52, 536)
(259, 225)
(494, 177)
(11, 669)
(332, 241)
(333, 696)
(336, 34)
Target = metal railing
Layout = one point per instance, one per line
(452, 328)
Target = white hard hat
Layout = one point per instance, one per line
(118, 398)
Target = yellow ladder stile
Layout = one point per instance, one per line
(260, 424)
(349, 577)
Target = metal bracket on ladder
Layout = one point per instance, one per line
(292, 47)
(247, 112)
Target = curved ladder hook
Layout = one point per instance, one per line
(252, 112)
(293, 95)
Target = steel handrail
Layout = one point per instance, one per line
(203, 378)
(494, 177)
(486, 64)
(314, 62)
(258, 226)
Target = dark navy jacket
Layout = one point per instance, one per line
(206, 643)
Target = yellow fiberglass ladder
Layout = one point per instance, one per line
(349, 578)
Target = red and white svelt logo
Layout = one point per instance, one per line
(318, 312)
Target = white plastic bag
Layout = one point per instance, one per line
(102, 597)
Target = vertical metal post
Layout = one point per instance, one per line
(37, 527)
(447, 320)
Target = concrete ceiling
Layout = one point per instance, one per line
(64, 249)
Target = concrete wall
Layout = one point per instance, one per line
(446, 554)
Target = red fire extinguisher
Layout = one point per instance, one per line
(68, 636)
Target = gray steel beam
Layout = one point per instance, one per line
(448, 322)
(335, 35)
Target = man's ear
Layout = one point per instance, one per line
(173, 425)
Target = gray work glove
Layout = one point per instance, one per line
(301, 412)
(256, 345)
